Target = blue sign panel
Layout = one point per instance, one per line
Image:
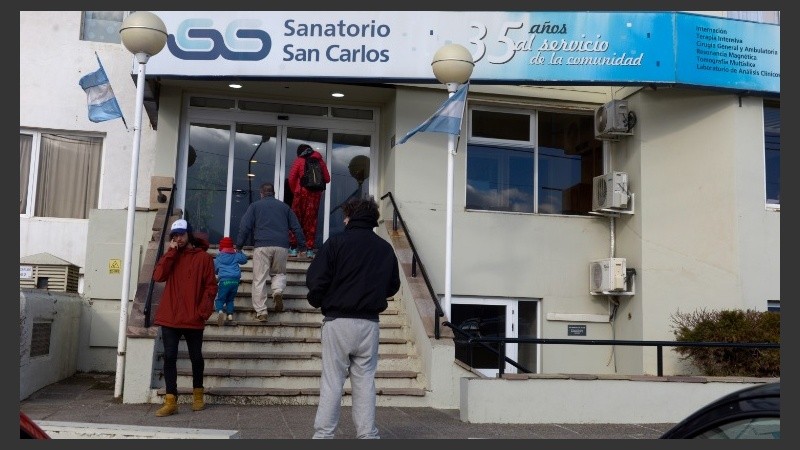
(552, 47)
(731, 54)
(585, 47)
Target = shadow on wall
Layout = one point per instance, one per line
(49, 327)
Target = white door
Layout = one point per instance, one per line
(485, 318)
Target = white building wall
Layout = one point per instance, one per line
(52, 60)
(700, 235)
(63, 312)
(696, 160)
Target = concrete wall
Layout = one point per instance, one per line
(601, 400)
(63, 312)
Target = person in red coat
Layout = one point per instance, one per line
(186, 304)
(305, 203)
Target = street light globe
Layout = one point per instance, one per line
(143, 32)
(452, 64)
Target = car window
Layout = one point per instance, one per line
(758, 428)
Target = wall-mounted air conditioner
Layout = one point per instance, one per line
(613, 120)
(607, 275)
(610, 191)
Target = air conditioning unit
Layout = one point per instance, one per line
(610, 191)
(613, 120)
(607, 275)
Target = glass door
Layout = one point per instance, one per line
(207, 174)
(486, 318)
(255, 153)
(349, 169)
(226, 164)
(318, 140)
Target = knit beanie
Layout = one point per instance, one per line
(226, 245)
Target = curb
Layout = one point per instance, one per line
(82, 430)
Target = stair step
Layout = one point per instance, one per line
(307, 373)
(287, 324)
(276, 355)
(278, 362)
(284, 360)
(396, 397)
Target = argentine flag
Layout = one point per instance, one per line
(102, 102)
(446, 119)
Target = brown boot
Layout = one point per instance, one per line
(197, 403)
(170, 406)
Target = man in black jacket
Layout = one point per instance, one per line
(350, 279)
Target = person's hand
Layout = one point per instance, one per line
(173, 244)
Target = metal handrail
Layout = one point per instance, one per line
(503, 357)
(484, 341)
(148, 304)
(415, 260)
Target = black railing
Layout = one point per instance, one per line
(415, 261)
(501, 341)
(148, 303)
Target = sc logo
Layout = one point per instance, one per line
(243, 41)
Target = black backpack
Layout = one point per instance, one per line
(312, 178)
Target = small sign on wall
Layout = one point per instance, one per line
(25, 272)
(114, 265)
(576, 330)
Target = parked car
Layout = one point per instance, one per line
(28, 428)
(750, 413)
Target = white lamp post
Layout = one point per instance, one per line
(452, 65)
(143, 34)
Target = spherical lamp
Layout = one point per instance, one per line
(143, 32)
(452, 64)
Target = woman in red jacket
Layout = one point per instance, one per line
(187, 302)
(305, 202)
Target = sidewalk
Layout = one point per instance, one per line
(89, 398)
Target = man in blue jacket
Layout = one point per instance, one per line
(269, 220)
(350, 279)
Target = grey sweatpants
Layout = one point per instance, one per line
(348, 345)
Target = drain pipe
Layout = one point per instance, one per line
(611, 220)
(613, 303)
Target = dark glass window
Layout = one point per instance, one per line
(502, 160)
(772, 152)
(101, 26)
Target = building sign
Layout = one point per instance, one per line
(508, 47)
(114, 265)
(25, 272)
(728, 53)
(576, 330)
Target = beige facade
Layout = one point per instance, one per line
(700, 234)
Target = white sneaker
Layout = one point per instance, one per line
(220, 318)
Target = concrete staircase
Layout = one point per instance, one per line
(278, 362)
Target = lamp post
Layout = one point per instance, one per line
(452, 65)
(143, 34)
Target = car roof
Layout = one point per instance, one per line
(762, 400)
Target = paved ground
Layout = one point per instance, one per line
(90, 398)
